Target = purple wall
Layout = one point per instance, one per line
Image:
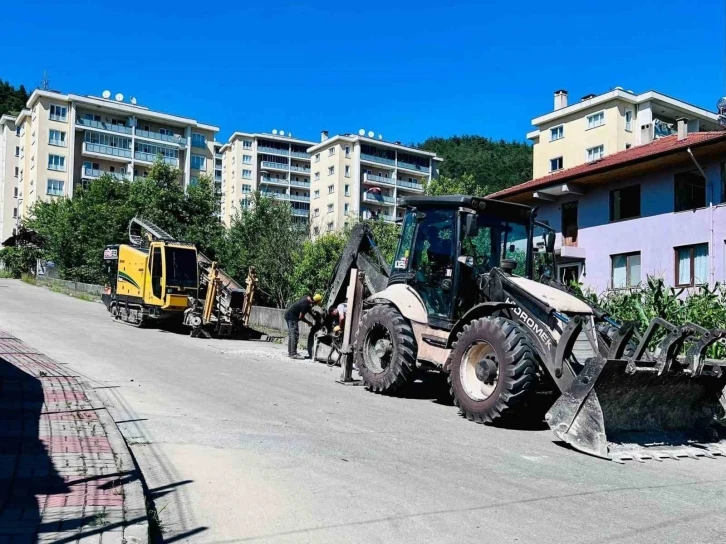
(655, 234)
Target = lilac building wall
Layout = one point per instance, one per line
(654, 234)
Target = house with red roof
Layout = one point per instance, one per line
(658, 208)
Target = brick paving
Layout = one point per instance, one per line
(66, 474)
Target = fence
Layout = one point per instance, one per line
(273, 318)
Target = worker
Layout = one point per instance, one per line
(342, 311)
(295, 314)
(318, 315)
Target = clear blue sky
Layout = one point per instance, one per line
(406, 69)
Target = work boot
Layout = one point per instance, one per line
(296, 356)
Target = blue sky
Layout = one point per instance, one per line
(405, 69)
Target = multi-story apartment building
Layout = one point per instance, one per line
(357, 176)
(9, 175)
(600, 125)
(275, 164)
(65, 140)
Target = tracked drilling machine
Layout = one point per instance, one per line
(469, 293)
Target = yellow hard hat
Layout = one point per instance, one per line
(336, 328)
(317, 297)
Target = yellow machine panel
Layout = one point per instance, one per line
(132, 266)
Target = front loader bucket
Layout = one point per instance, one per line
(619, 410)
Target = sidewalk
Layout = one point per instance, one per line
(66, 474)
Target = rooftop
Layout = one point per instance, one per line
(656, 149)
(372, 141)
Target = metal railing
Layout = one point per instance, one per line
(151, 157)
(281, 181)
(300, 212)
(57, 167)
(302, 169)
(378, 199)
(412, 166)
(121, 129)
(409, 185)
(275, 165)
(273, 150)
(97, 173)
(300, 154)
(57, 141)
(373, 178)
(300, 198)
(376, 158)
(171, 138)
(278, 196)
(300, 183)
(107, 150)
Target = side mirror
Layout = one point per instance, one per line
(550, 242)
(471, 228)
(466, 261)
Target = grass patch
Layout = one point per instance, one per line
(99, 520)
(29, 279)
(5, 275)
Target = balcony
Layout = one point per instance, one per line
(101, 149)
(159, 137)
(300, 212)
(275, 181)
(377, 159)
(100, 125)
(57, 141)
(302, 169)
(273, 150)
(414, 167)
(300, 198)
(276, 165)
(151, 158)
(378, 180)
(94, 173)
(300, 154)
(300, 183)
(276, 196)
(409, 185)
(379, 199)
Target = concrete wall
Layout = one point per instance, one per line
(76, 286)
(655, 234)
(273, 318)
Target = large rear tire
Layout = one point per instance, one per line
(493, 369)
(385, 353)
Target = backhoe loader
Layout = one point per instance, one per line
(470, 293)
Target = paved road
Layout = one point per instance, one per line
(240, 444)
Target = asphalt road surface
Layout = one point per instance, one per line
(239, 444)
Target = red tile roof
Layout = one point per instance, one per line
(661, 146)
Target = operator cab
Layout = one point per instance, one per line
(449, 244)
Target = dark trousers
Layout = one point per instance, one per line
(293, 333)
(311, 339)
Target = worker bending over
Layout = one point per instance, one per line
(293, 316)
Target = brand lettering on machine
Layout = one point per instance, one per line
(535, 327)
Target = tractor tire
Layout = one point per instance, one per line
(605, 332)
(493, 369)
(385, 353)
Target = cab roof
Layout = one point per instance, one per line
(499, 208)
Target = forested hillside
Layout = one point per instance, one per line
(12, 100)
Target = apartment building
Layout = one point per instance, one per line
(599, 125)
(276, 164)
(658, 208)
(9, 175)
(66, 140)
(361, 176)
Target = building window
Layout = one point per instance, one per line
(316, 194)
(625, 203)
(316, 212)
(246, 188)
(330, 226)
(199, 140)
(691, 265)
(347, 151)
(246, 174)
(247, 159)
(690, 191)
(331, 189)
(317, 176)
(347, 190)
(346, 206)
(17, 150)
(15, 213)
(331, 151)
(625, 270)
(57, 162)
(57, 137)
(58, 113)
(55, 187)
(16, 171)
(556, 164)
(629, 120)
(17, 131)
(331, 170)
(595, 153)
(246, 144)
(347, 171)
(193, 181)
(15, 192)
(330, 208)
(596, 119)
(199, 162)
(317, 157)
(316, 231)
(557, 133)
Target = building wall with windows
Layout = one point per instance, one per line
(9, 175)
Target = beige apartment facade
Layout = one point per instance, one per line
(276, 164)
(599, 125)
(358, 177)
(68, 140)
(9, 176)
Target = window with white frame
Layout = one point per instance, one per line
(15, 192)
(16, 171)
(347, 190)
(57, 137)
(556, 164)
(347, 170)
(331, 170)
(331, 151)
(199, 140)
(596, 119)
(247, 174)
(331, 189)
(317, 176)
(58, 113)
(691, 265)
(199, 162)
(557, 133)
(247, 159)
(54, 187)
(15, 213)
(246, 144)
(17, 150)
(17, 131)
(316, 212)
(330, 208)
(346, 206)
(625, 270)
(317, 157)
(57, 162)
(347, 151)
(246, 188)
(330, 226)
(316, 193)
(595, 153)
(629, 120)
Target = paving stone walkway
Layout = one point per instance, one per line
(66, 474)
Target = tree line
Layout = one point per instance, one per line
(12, 100)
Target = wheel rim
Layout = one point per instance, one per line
(378, 348)
(479, 371)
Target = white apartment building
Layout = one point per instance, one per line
(66, 140)
(357, 176)
(276, 164)
(9, 175)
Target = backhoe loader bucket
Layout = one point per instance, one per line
(666, 404)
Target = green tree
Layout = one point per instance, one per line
(317, 262)
(463, 185)
(12, 100)
(200, 221)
